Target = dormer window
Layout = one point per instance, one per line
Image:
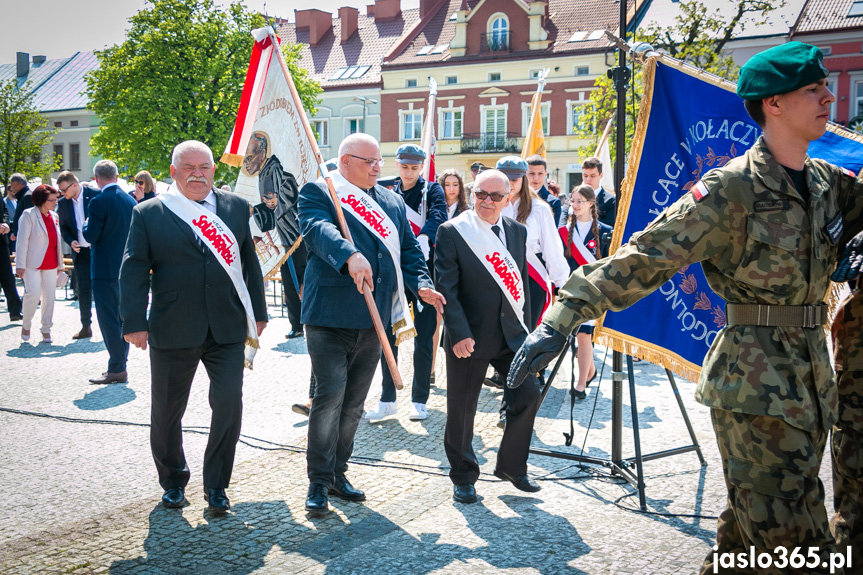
(497, 36)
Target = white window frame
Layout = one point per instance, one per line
(490, 31)
(577, 66)
(447, 83)
(402, 118)
(346, 124)
(570, 104)
(833, 86)
(441, 132)
(525, 118)
(499, 73)
(324, 141)
(409, 80)
(853, 103)
(484, 108)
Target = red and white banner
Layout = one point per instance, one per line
(579, 251)
(270, 145)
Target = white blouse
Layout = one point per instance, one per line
(543, 238)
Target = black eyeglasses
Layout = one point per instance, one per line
(140, 182)
(495, 197)
(372, 162)
(63, 190)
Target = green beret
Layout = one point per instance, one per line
(780, 70)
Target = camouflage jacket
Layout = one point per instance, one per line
(758, 242)
(848, 357)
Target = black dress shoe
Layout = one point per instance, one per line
(15, 317)
(464, 493)
(495, 381)
(343, 488)
(218, 501)
(316, 500)
(294, 334)
(521, 482)
(501, 421)
(174, 498)
(579, 394)
(301, 408)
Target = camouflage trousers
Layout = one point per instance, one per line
(847, 455)
(775, 498)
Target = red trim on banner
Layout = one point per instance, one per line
(534, 275)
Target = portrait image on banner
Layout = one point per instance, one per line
(275, 158)
(689, 124)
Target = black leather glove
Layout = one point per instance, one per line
(537, 351)
(850, 264)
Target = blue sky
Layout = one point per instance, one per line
(59, 28)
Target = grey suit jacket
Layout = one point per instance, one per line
(475, 306)
(192, 294)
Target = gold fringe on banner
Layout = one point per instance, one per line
(235, 160)
(272, 273)
(649, 352)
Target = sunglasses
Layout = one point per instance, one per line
(495, 197)
(140, 182)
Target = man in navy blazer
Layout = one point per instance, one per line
(537, 175)
(106, 230)
(73, 209)
(341, 339)
(7, 278)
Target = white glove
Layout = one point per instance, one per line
(424, 246)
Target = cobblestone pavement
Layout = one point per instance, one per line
(82, 495)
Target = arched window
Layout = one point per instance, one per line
(498, 32)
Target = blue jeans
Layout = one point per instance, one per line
(344, 362)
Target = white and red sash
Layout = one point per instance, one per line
(539, 274)
(579, 251)
(495, 258)
(415, 220)
(220, 240)
(356, 202)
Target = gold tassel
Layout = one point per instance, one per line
(235, 160)
(247, 364)
(253, 343)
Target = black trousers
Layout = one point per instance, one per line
(464, 382)
(292, 297)
(172, 371)
(84, 284)
(106, 294)
(7, 281)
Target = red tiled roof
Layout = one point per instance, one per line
(827, 15)
(566, 17)
(366, 47)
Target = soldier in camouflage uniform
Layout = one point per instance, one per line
(846, 524)
(767, 237)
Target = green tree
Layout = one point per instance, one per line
(179, 75)
(24, 135)
(696, 37)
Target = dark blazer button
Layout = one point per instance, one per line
(208, 286)
(379, 280)
(380, 256)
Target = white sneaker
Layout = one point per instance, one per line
(385, 408)
(418, 412)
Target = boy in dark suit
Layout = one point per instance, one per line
(481, 270)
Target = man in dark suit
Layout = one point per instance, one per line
(106, 230)
(482, 326)
(537, 174)
(7, 278)
(341, 339)
(410, 159)
(19, 188)
(73, 209)
(606, 202)
(197, 315)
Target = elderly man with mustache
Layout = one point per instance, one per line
(207, 307)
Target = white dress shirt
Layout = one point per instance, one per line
(543, 238)
(78, 206)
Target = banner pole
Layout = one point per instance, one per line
(340, 216)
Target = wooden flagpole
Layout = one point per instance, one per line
(340, 216)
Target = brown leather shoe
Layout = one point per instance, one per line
(108, 377)
(84, 333)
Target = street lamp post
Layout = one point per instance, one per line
(365, 101)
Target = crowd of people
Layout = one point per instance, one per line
(503, 273)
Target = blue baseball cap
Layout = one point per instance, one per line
(410, 154)
(512, 166)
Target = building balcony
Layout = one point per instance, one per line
(494, 42)
(494, 142)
